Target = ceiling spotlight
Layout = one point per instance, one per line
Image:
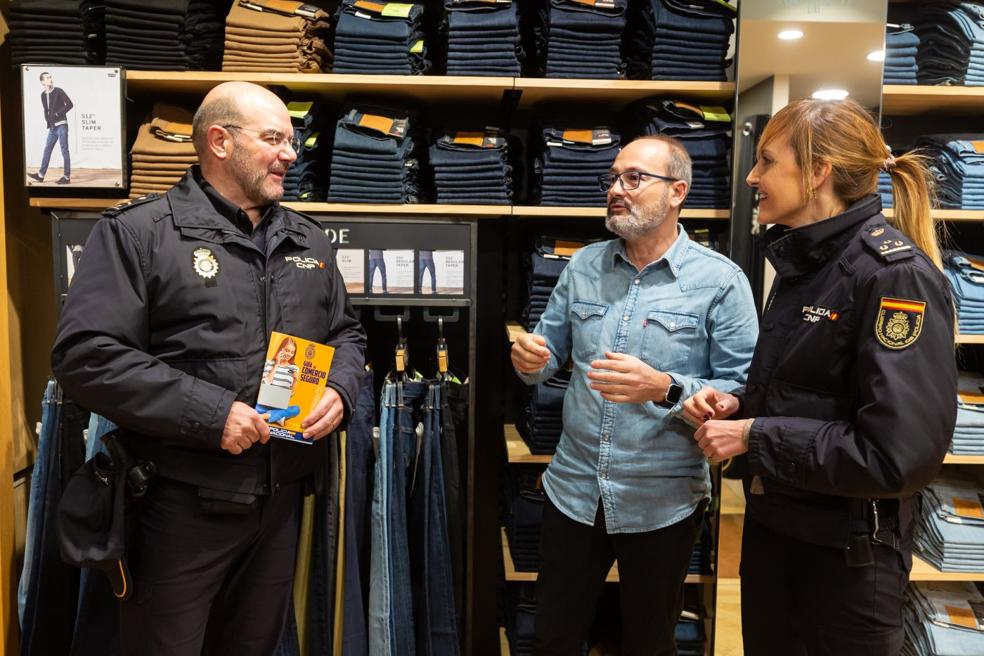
(790, 35)
(830, 94)
(876, 56)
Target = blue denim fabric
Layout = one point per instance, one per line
(947, 539)
(58, 134)
(370, 42)
(677, 39)
(479, 30)
(958, 167)
(691, 315)
(929, 631)
(358, 499)
(425, 262)
(381, 618)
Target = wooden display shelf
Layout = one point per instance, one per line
(923, 571)
(535, 211)
(513, 575)
(513, 330)
(969, 339)
(953, 216)
(615, 92)
(904, 100)
(732, 497)
(517, 450)
(431, 88)
(503, 642)
(953, 459)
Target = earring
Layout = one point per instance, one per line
(812, 194)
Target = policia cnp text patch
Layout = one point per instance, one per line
(899, 322)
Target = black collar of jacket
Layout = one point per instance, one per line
(191, 207)
(797, 251)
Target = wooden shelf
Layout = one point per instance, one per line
(535, 211)
(904, 100)
(513, 330)
(969, 339)
(617, 92)
(923, 571)
(429, 88)
(732, 497)
(503, 642)
(513, 575)
(517, 450)
(953, 459)
(953, 216)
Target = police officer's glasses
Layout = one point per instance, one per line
(630, 179)
(271, 138)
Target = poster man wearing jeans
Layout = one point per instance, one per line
(56, 105)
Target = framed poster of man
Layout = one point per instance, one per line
(73, 126)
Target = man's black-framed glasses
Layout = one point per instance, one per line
(272, 138)
(630, 179)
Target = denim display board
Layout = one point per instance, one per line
(305, 180)
(901, 47)
(579, 38)
(472, 167)
(958, 167)
(178, 35)
(47, 595)
(283, 38)
(966, 275)
(949, 533)
(162, 150)
(951, 43)
(412, 606)
(378, 156)
(943, 618)
(380, 38)
(567, 160)
(705, 131)
(968, 433)
(678, 40)
(57, 31)
(484, 38)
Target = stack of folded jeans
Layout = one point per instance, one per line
(57, 31)
(380, 38)
(524, 516)
(520, 611)
(690, 637)
(171, 35)
(483, 38)
(951, 48)
(578, 39)
(547, 261)
(885, 189)
(958, 168)
(679, 40)
(277, 36)
(704, 132)
(968, 434)
(472, 167)
(901, 47)
(544, 420)
(304, 180)
(700, 559)
(163, 150)
(377, 156)
(966, 275)
(949, 533)
(942, 618)
(568, 161)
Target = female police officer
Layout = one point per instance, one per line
(850, 401)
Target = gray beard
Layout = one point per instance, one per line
(639, 221)
(250, 181)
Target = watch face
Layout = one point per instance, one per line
(673, 393)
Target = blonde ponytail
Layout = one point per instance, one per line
(912, 191)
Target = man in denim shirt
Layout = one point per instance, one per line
(646, 321)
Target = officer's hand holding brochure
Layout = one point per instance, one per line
(292, 383)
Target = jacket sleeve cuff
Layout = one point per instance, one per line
(776, 452)
(206, 409)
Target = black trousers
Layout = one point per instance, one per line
(574, 561)
(800, 599)
(222, 582)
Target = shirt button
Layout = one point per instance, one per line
(605, 437)
(195, 426)
(635, 282)
(625, 318)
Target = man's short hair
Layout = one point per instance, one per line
(679, 165)
(43, 74)
(221, 111)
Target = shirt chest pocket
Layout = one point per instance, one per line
(586, 323)
(667, 339)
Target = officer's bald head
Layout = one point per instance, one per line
(230, 103)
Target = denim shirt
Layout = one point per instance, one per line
(689, 314)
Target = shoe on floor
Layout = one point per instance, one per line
(63, 180)
(35, 176)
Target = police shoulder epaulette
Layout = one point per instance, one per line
(130, 203)
(302, 215)
(888, 243)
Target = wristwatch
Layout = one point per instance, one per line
(673, 394)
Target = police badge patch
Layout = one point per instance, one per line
(205, 263)
(899, 322)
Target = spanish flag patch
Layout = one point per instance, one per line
(899, 322)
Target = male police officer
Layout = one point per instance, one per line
(165, 332)
(645, 319)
